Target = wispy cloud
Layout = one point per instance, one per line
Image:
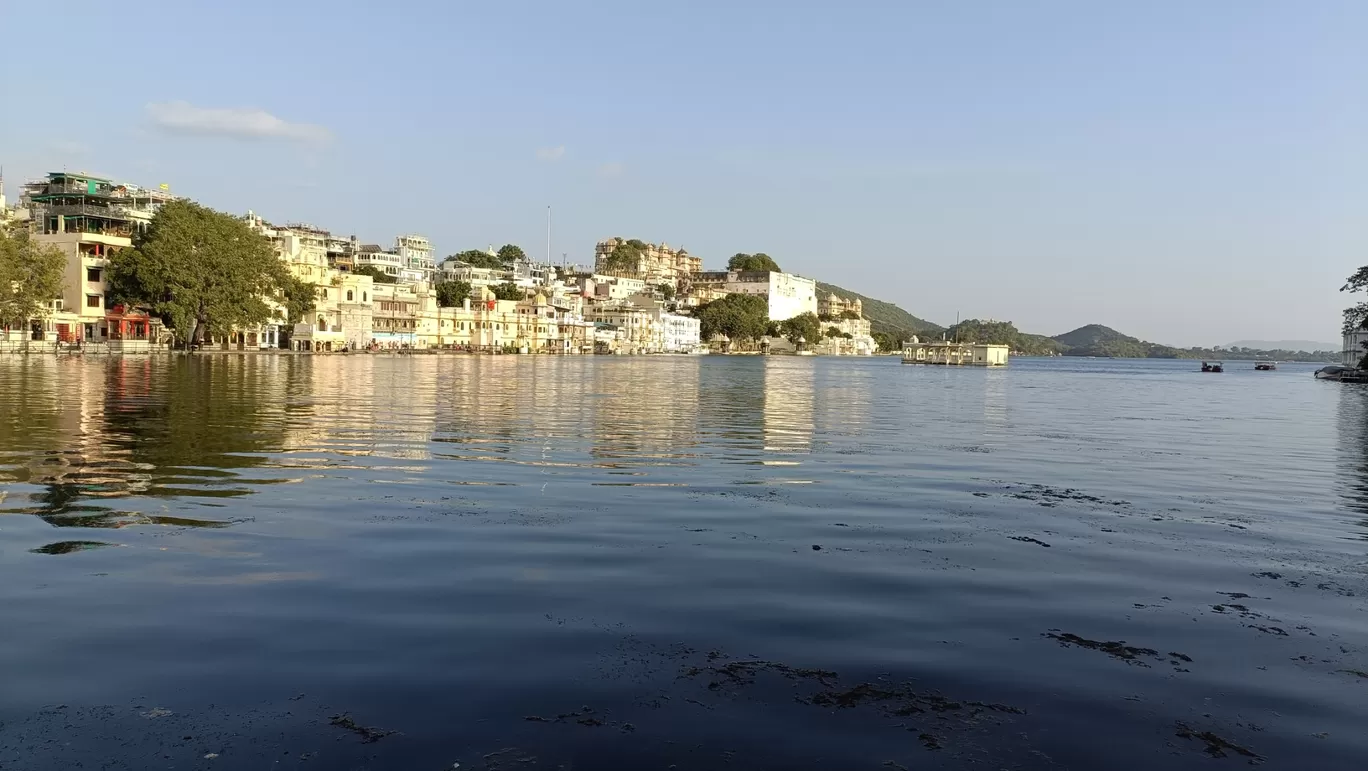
(611, 170)
(233, 122)
(551, 153)
(68, 147)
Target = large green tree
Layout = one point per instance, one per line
(757, 261)
(804, 327)
(511, 253)
(377, 275)
(626, 256)
(508, 291)
(478, 258)
(30, 277)
(451, 293)
(201, 271)
(737, 316)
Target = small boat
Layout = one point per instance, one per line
(1336, 372)
(1213, 366)
(1265, 366)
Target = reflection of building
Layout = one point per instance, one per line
(788, 412)
(787, 295)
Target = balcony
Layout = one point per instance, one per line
(117, 213)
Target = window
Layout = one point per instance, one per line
(93, 301)
(93, 274)
(349, 295)
(363, 297)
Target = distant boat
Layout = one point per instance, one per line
(1265, 366)
(1213, 366)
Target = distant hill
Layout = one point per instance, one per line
(884, 316)
(1097, 340)
(1309, 346)
(1092, 335)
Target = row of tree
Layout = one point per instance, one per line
(507, 255)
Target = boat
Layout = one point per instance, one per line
(1265, 366)
(1213, 366)
(1338, 373)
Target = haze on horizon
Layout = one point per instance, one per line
(1187, 173)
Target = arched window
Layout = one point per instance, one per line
(363, 297)
(349, 295)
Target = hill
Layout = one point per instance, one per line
(1092, 335)
(1307, 346)
(884, 316)
(1097, 340)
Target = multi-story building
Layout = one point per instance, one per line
(653, 263)
(341, 252)
(88, 218)
(787, 295)
(394, 315)
(373, 255)
(415, 254)
(646, 326)
(845, 337)
(832, 306)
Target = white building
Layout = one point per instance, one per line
(389, 263)
(415, 253)
(679, 334)
(788, 295)
(1353, 350)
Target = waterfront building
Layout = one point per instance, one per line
(394, 315)
(954, 353)
(88, 218)
(852, 338)
(1352, 350)
(787, 295)
(655, 263)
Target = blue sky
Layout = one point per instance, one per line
(1190, 173)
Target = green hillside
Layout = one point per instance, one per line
(884, 316)
(1097, 340)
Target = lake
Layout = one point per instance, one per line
(414, 562)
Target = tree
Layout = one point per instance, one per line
(757, 261)
(508, 291)
(511, 253)
(377, 275)
(850, 315)
(736, 316)
(299, 298)
(667, 290)
(478, 258)
(833, 332)
(30, 278)
(451, 293)
(886, 342)
(625, 257)
(200, 271)
(1356, 316)
(803, 327)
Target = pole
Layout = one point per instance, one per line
(548, 235)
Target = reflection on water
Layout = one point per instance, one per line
(767, 560)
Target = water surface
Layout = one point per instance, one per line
(513, 562)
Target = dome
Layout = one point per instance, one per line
(540, 299)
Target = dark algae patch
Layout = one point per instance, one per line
(1028, 539)
(1130, 654)
(1216, 746)
(368, 734)
(69, 547)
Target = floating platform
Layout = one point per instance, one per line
(955, 354)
